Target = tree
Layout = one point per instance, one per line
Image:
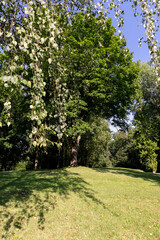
(13, 134)
(147, 151)
(71, 64)
(101, 76)
(147, 119)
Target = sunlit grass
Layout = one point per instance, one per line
(80, 203)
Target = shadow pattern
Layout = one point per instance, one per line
(21, 191)
(147, 176)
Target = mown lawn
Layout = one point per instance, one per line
(80, 203)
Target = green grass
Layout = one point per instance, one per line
(80, 203)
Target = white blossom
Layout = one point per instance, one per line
(50, 60)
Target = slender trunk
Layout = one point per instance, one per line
(86, 152)
(87, 164)
(36, 161)
(58, 163)
(63, 157)
(59, 156)
(74, 149)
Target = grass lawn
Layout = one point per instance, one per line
(80, 203)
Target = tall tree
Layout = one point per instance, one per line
(101, 76)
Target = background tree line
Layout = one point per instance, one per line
(134, 147)
(139, 148)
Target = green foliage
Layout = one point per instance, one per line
(101, 73)
(20, 166)
(118, 148)
(94, 146)
(98, 144)
(148, 156)
(147, 119)
(123, 148)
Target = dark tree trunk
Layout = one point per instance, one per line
(87, 164)
(86, 151)
(63, 157)
(58, 163)
(59, 157)
(74, 149)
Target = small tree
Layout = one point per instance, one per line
(147, 119)
(148, 156)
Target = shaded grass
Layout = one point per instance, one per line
(80, 203)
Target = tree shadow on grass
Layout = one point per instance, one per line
(31, 194)
(147, 176)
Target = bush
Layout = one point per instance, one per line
(100, 162)
(20, 166)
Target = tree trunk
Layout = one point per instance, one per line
(63, 156)
(59, 156)
(87, 164)
(74, 149)
(36, 161)
(86, 151)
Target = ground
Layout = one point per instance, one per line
(80, 203)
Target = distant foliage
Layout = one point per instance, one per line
(147, 120)
(98, 144)
(20, 166)
(148, 156)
